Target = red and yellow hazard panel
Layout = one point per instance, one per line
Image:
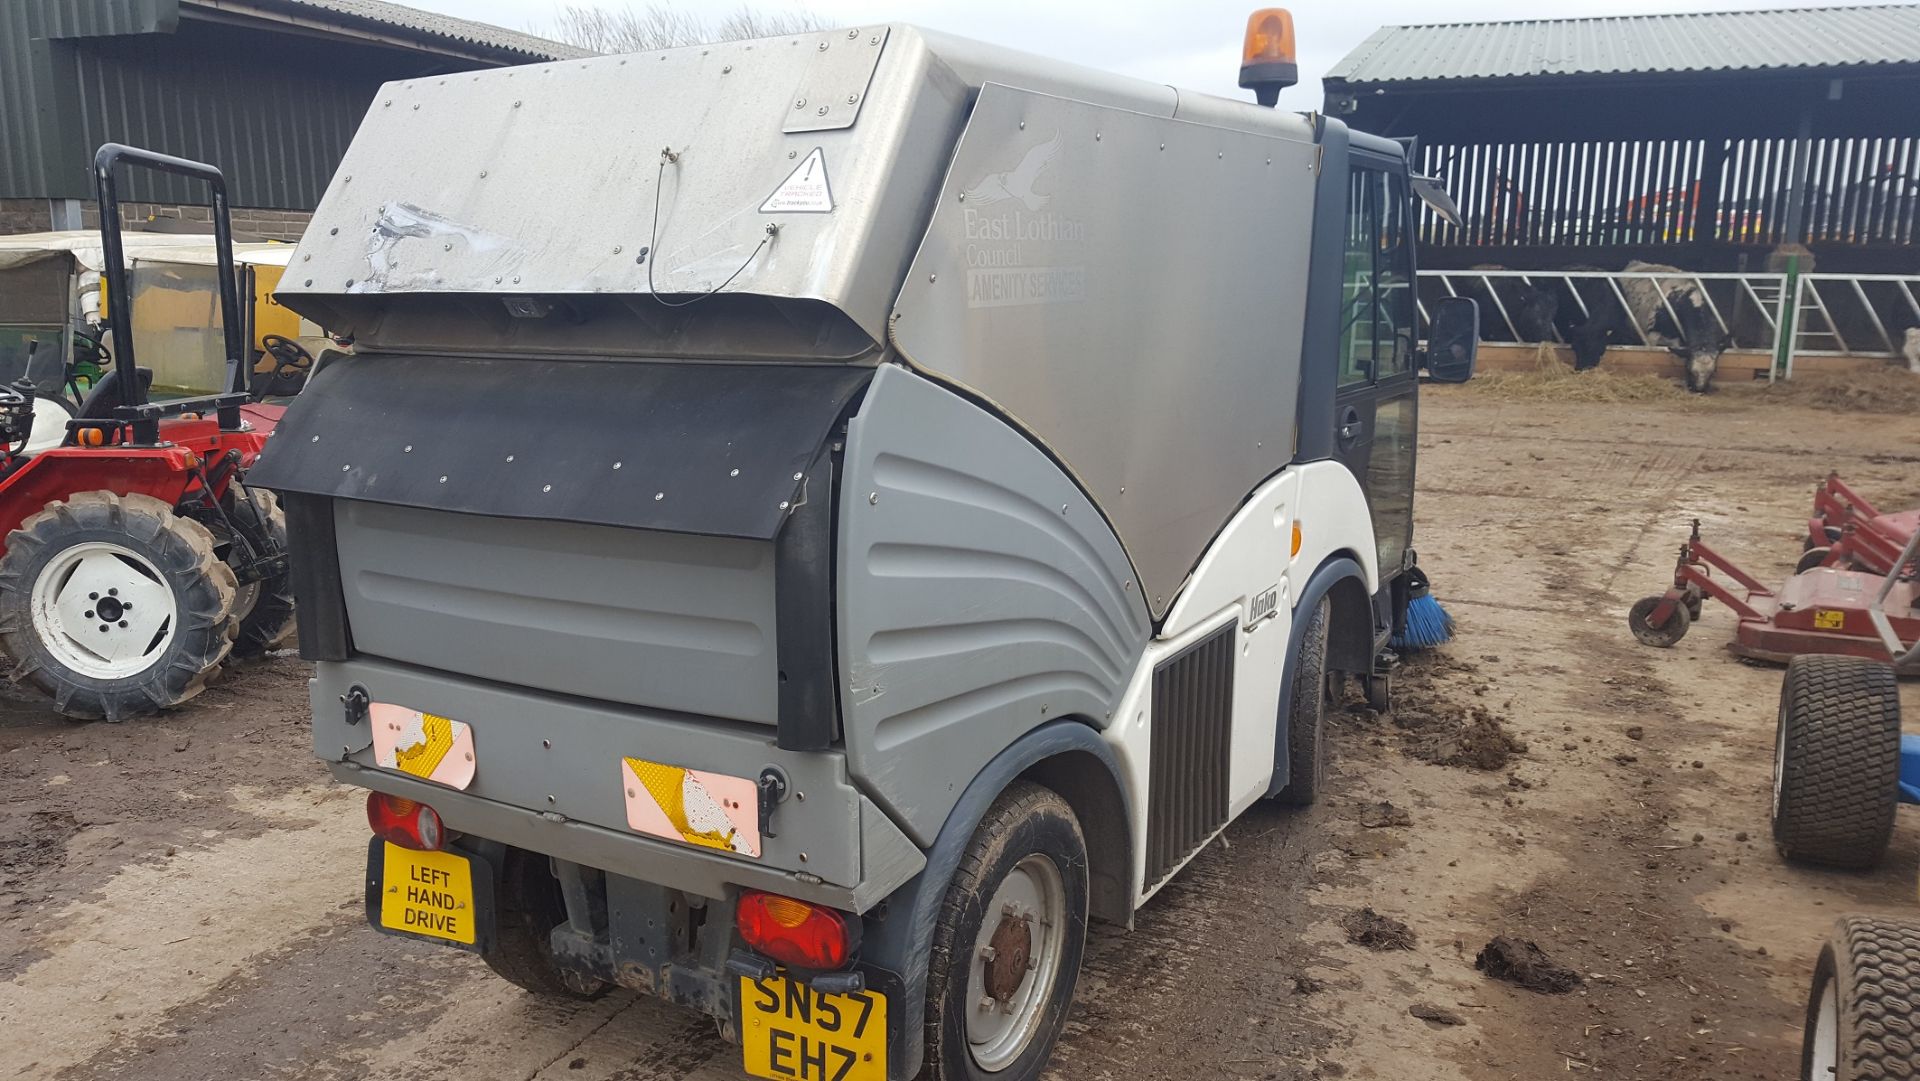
(426, 745)
(692, 806)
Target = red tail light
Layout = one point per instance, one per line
(794, 932)
(405, 822)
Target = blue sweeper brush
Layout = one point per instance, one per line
(1427, 624)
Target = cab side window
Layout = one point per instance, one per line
(1357, 321)
(1377, 300)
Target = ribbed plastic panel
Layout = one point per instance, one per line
(1187, 778)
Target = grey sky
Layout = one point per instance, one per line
(1192, 44)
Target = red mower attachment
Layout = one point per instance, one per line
(1847, 531)
(1821, 610)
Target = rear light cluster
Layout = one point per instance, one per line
(405, 822)
(794, 932)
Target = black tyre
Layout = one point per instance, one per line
(1307, 713)
(1696, 603)
(1007, 948)
(114, 605)
(265, 607)
(1378, 687)
(1861, 1011)
(1665, 635)
(1836, 763)
(529, 906)
(1811, 558)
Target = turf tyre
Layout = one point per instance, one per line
(1863, 1010)
(1836, 777)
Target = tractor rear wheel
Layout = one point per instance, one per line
(265, 607)
(1836, 762)
(114, 605)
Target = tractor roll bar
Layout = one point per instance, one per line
(133, 403)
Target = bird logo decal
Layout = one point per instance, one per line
(1017, 183)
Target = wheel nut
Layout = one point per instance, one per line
(89, 615)
(988, 953)
(93, 596)
(123, 623)
(986, 1003)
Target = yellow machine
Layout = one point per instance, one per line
(51, 293)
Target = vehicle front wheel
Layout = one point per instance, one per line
(1306, 716)
(1007, 947)
(1860, 1018)
(114, 605)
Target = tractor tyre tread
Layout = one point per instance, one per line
(181, 548)
(1837, 765)
(270, 623)
(1307, 714)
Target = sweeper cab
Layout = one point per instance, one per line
(805, 549)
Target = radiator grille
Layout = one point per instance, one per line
(1187, 779)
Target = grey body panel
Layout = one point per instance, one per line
(980, 595)
(547, 779)
(659, 620)
(1151, 342)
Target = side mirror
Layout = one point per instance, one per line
(1453, 340)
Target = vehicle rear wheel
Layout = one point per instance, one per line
(114, 605)
(1836, 761)
(1665, 635)
(1307, 713)
(1860, 1011)
(1007, 947)
(528, 908)
(265, 607)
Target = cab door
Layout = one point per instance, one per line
(1376, 393)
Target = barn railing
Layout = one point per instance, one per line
(1856, 315)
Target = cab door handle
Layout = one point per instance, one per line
(1349, 426)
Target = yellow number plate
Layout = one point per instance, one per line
(427, 893)
(789, 1030)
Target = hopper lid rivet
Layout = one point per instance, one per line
(443, 478)
(822, 110)
(797, 476)
(546, 487)
(509, 457)
(823, 46)
(733, 473)
(800, 103)
(783, 504)
(616, 249)
(408, 449)
(727, 70)
(872, 498)
(658, 496)
(851, 98)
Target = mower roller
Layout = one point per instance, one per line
(1820, 610)
(135, 559)
(1847, 531)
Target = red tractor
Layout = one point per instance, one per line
(136, 560)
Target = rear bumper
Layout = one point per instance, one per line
(547, 779)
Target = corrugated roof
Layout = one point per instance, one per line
(435, 24)
(1841, 37)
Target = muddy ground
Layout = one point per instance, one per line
(179, 897)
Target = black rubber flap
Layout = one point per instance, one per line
(707, 448)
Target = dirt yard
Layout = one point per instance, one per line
(179, 898)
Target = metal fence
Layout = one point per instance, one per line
(1852, 315)
(1857, 192)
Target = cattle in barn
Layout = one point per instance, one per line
(1530, 309)
(1684, 322)
(1910, 349)
(1589, 319)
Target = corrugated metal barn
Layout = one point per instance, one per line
(268, 90)
(1707, 141)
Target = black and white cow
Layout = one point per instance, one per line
(1684, 323)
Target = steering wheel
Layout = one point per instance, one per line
(290, 358)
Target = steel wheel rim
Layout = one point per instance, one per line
(998, 1032)
(1779, 760)
(1824, 1062)
(103, 610)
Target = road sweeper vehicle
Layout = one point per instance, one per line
(810, 522)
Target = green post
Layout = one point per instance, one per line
(1789, 313)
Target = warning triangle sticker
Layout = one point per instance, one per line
(804, 191)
